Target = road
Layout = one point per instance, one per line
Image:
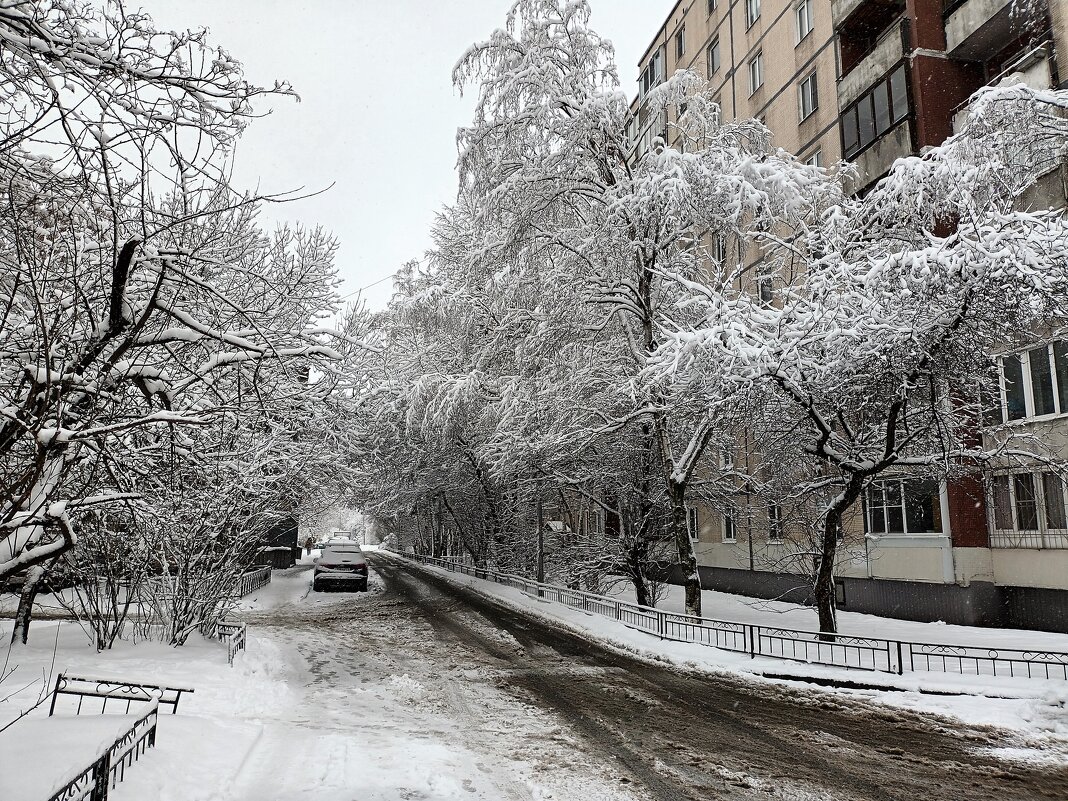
(504, 707)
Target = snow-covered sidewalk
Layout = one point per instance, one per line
(1036, 707)
(338, 696)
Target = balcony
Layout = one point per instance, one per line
(842, 10)
(876, 160)
(977, 29)
(890, 48)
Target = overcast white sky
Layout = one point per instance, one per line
(378, 115)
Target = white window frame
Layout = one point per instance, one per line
(886, 532)
(808, 96)
(680, 42)
(815, 159)
(713, 49)
(805, 18)
(752, 12)
(1041, 538)
(756, 72)
(1028, 385)
(730, 530)
(693, 523)
(776, 530)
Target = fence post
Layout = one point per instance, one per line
(900, 661)
(752, 641)
(618, 615)
(101, 778)
(55, 692)
(661, 623)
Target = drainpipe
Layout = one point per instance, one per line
(949, 573)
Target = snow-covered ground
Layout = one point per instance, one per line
(338, 696)
(741, 609)
(1037, 709)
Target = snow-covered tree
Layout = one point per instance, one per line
(875, 352)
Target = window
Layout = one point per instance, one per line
(653, 74)
(805, 19)
(711, 6)
(904, 506)
(693, 523)
(816, 159)
(719, 248)
(1028, 511)
(713, 57)
(752, 12)
(596, 521)
(765, 290)
(756, 72)
(775, 527)
(680, 43)
(729, 534)
(808, 96)
(879, 110)
(1034, 383)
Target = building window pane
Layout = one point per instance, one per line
(895, 519)
(923, 506)
(850, 139)
(865, 122)
(694, 523)
(1053, 489)
(804, 19)
(881, 97)
(775, 528)
(1026, 503)
(713, 57)
(680, 43)
(1041, 380)
(752, 12)
(808, 96)
(728, 528)
(1002, 504)
(899, 94)
(877, 509)
(1060, 362)
(1014, 388)
(756, 72)
(711, 6)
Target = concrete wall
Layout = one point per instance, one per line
(979, 604)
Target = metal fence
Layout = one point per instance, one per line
(109, 769)
(252, 579)
(128, 692)
(233, 634)
(837, 650)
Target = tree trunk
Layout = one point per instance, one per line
(637, 555)
(823, 585)
(24, 613)
(687, 557)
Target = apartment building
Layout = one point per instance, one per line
(771, 60)
(871, 81)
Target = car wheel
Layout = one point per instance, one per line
(316, 587)
(362, 587)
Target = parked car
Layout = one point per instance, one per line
(342, 566)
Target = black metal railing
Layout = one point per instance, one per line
(95, 782)
(233, 635)
(835, 650)
(127, 692)
(252, 579)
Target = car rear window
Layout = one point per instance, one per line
(344, 550)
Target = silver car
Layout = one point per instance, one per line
(341, 566)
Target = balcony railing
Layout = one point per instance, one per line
(890, 48)
(978, 29)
